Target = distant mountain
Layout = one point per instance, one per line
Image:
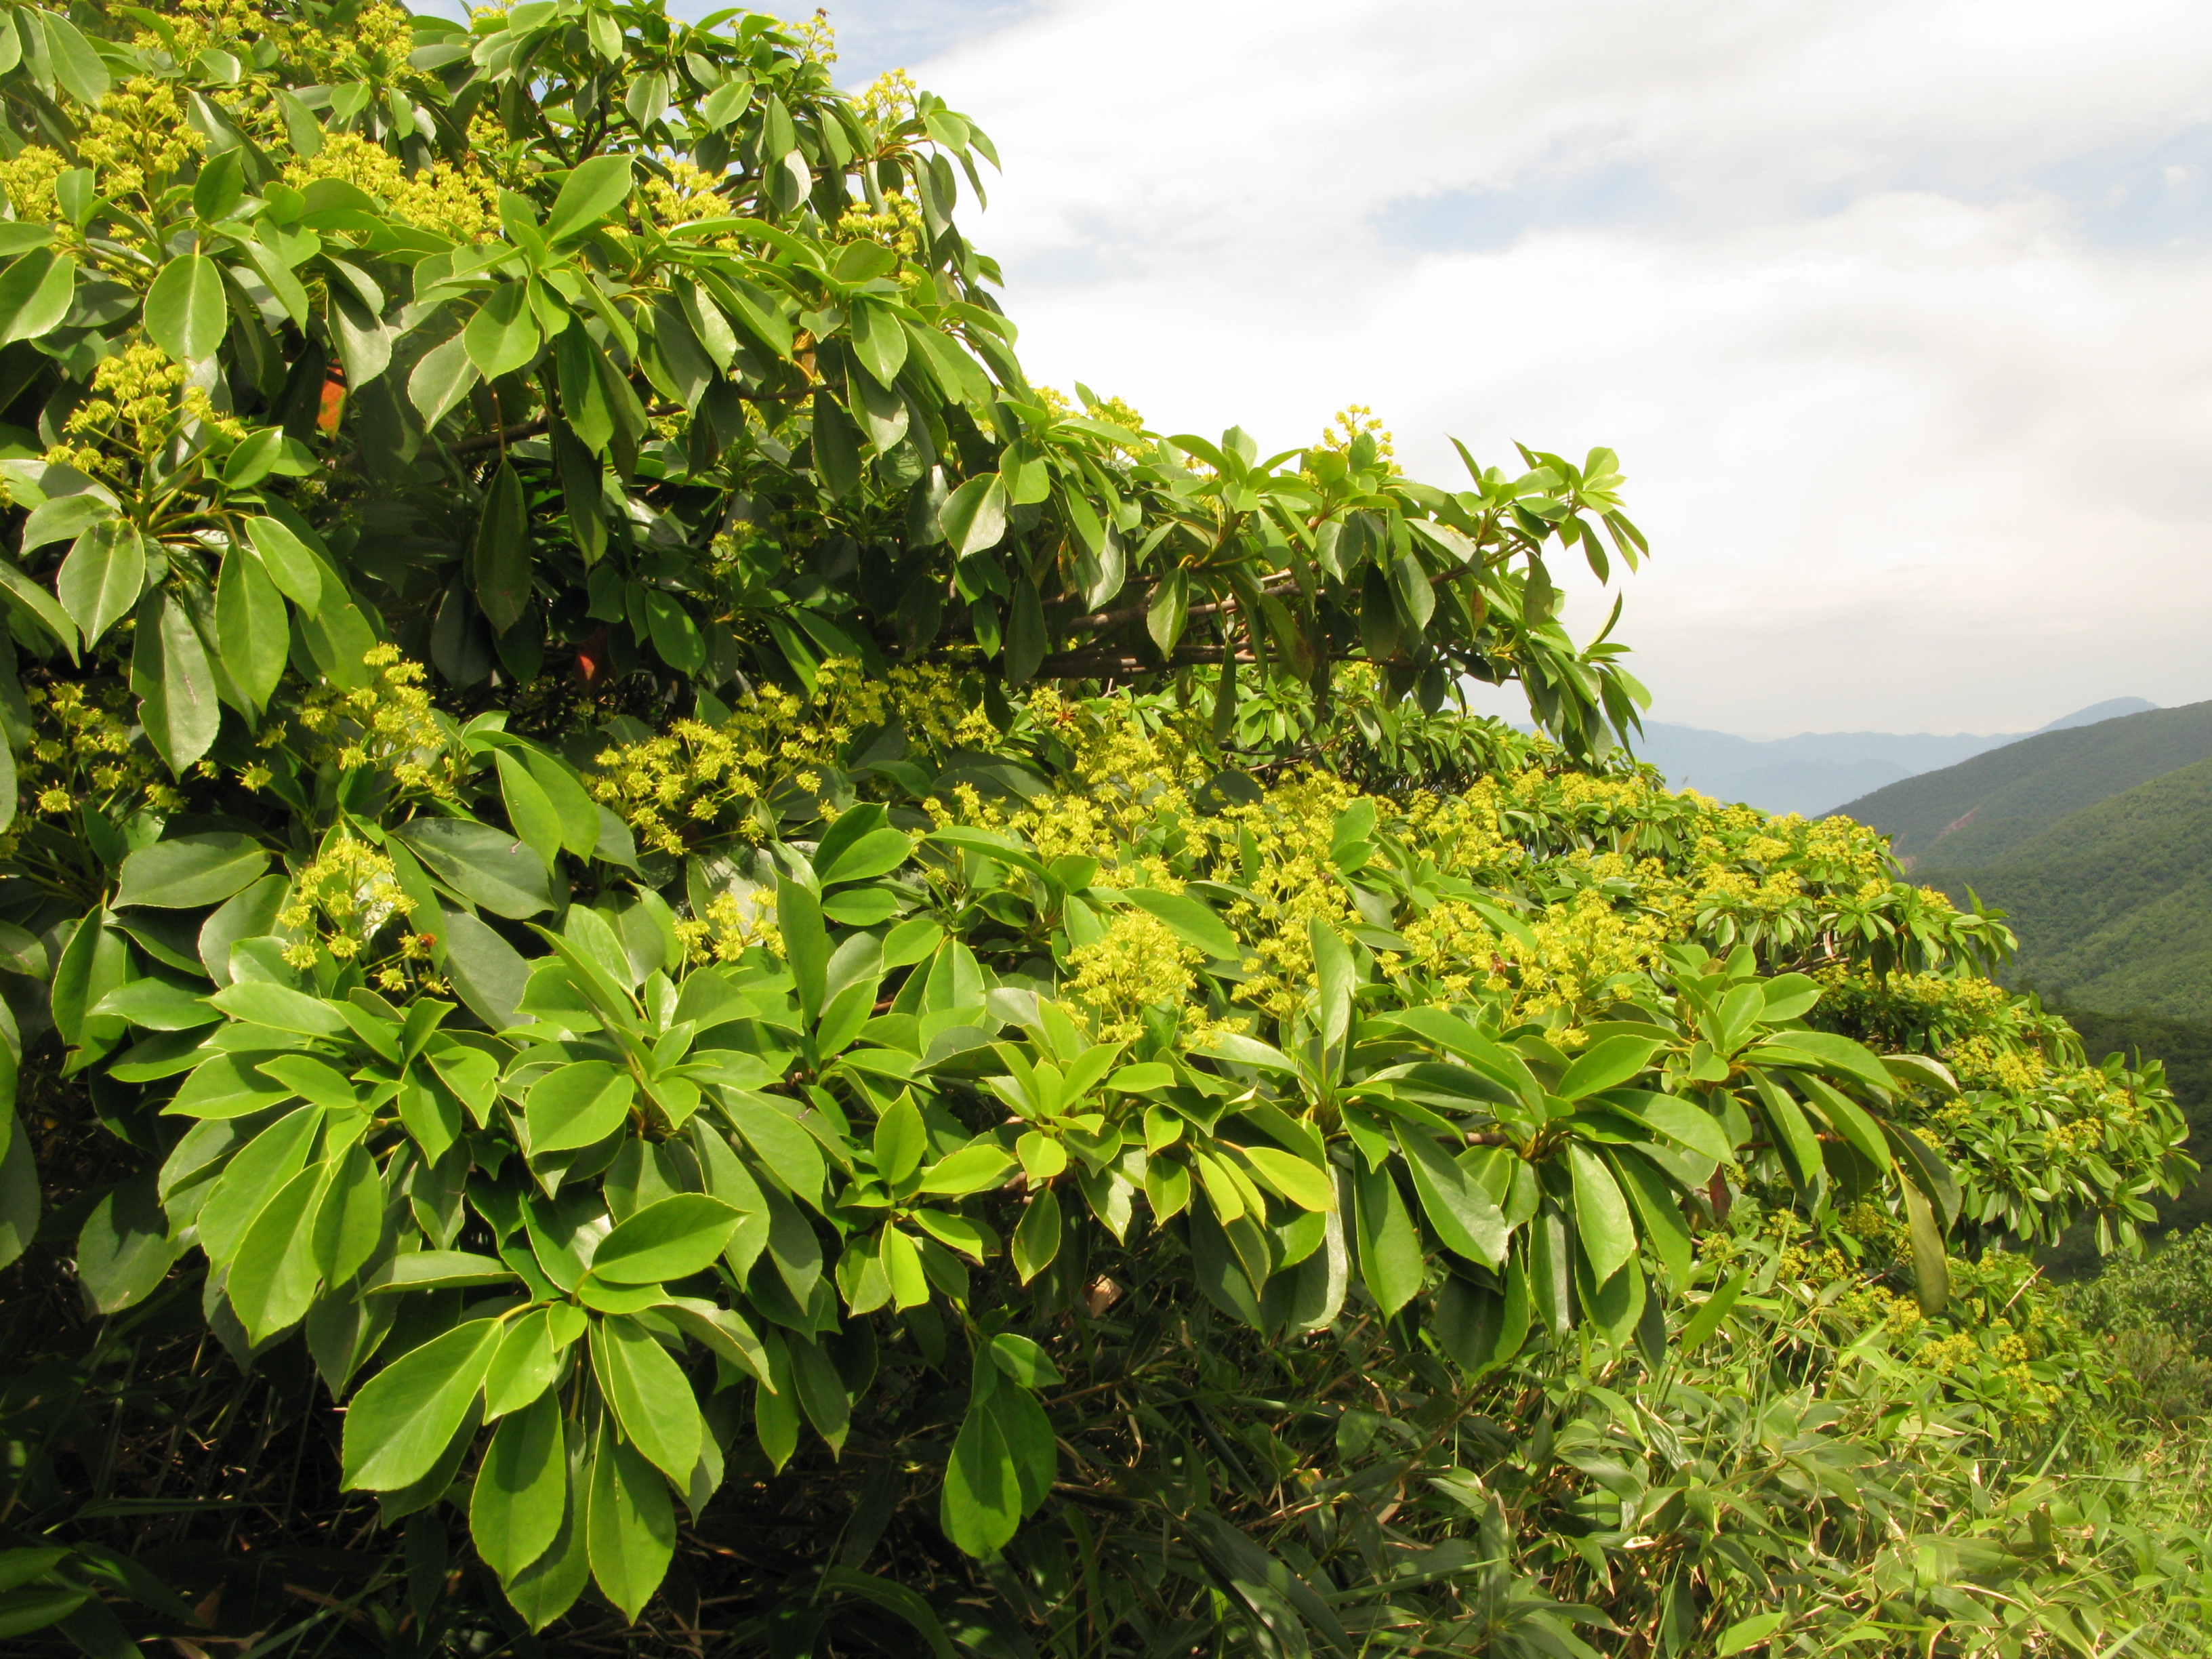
(1812, 771)
(2113, 903)
(1972, 815)
(2097, 714)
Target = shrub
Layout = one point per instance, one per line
(832, 997)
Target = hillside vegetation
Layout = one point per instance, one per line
(2113, 904)
(692, 974)
(1969, 816)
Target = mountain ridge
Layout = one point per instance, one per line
(1812, 771)
(1976, 812)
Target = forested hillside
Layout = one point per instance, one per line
(1970, 815)
(2113, 904)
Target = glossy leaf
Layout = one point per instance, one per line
(404, 1417)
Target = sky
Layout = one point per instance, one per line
(1895, 313)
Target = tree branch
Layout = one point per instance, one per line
(1092, 662)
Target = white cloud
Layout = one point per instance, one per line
(1917, 422)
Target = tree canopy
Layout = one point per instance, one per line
(800, 969)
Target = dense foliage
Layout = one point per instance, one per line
(2110, 901)
(844, 1007)
(1976, 812)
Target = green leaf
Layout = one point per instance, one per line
(527, 1365)
(225, 1086)
(39, 603)
(549, 1585)
(972, 1169)
(169, 671)
(1389, 1245)
(290, 562)
(442, 377)
(1024, 1361)
(272, 1276)
(251, 628)
(651, 1396)
(65, 517)
(1931, 1270)
(406, 1416)
(1749, 1634)
(1601, 1217)
(676, 636)
(521, 1492)
(312, 1080)
(1788, 996)
(806, 943)
(1924, 1168)
(489, 974)
(1164, 617)
(1824, 1052)
(100, 580)
(592, 190)
(1717, 1308)
(879, 340)
(1190, 920)
(673, 1238)
(187, 872)
(877, 853)
(485, 866)
(503, 334)
(579, 1104)
(981, 1505)
(1465, 1217)
(255, 458)
(629, 1525)
(1606, 1065)
(185, 312)
(578, 813)
(1037, 1236)
(19, 1192)
(1291, 1177)
(35, 293)
(220, 185)
(1790, 1131)
(974, 516)
(422, 1270)
(350, 1219)
(900, 1141)
(504, 570)
(1334, 979)
(1656, 1207)
(900, 1258)
(124, 1249)
(837, 446)
(259, 1003)
(1678, 1119)
(77, 65)
(528, 810)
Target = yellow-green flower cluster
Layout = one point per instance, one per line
(139, 400)
(687, 192)
(698, 779)
(1136, 964)
(81, 753)
(731, 926)
(136, 137)
(461, 202)
(340, 901)
(388, 726)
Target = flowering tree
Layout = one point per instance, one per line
(670, 882)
